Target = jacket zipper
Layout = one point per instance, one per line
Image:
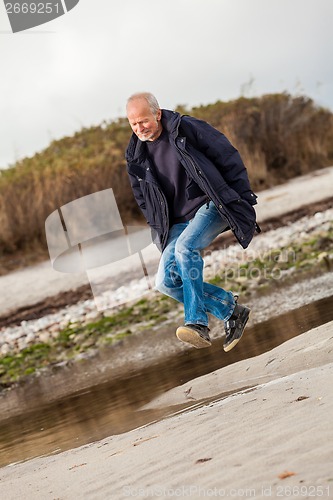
(165, 214)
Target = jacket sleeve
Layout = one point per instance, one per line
(138, 195)
(222, 153)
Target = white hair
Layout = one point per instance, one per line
(147, 96)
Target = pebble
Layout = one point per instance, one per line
(16, 338)
(45, 337)
(5, 349)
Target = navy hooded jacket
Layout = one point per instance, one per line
(211, 162)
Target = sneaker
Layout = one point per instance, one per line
(196, 335)
(235, 325)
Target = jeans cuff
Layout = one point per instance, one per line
(230, 313)
(195, 323)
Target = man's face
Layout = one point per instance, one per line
(143, 122)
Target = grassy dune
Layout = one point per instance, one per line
(278, 136)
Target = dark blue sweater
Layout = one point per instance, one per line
(174, 180)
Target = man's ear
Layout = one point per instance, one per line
(159, 115)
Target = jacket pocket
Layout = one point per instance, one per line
(250, 197)
(225, 192)
(244, 214)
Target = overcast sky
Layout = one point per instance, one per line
(79, 69)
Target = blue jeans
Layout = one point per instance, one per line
(180, 271)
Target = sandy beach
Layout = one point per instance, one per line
(271, 437)
(258, 428)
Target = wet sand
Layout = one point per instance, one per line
(272, 438)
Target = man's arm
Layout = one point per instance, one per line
(222, 153)
(138, 195)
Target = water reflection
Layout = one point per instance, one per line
(112, 408)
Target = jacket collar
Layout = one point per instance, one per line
(136, 149)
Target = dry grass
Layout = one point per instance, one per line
(278, 136)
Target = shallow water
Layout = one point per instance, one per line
(113, 408)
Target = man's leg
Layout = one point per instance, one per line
(181, 260)
(199, 297)
(168, 280)
(180, 276)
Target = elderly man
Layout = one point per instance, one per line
(191, 185)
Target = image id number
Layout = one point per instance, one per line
(302, 491)
(32, 8)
